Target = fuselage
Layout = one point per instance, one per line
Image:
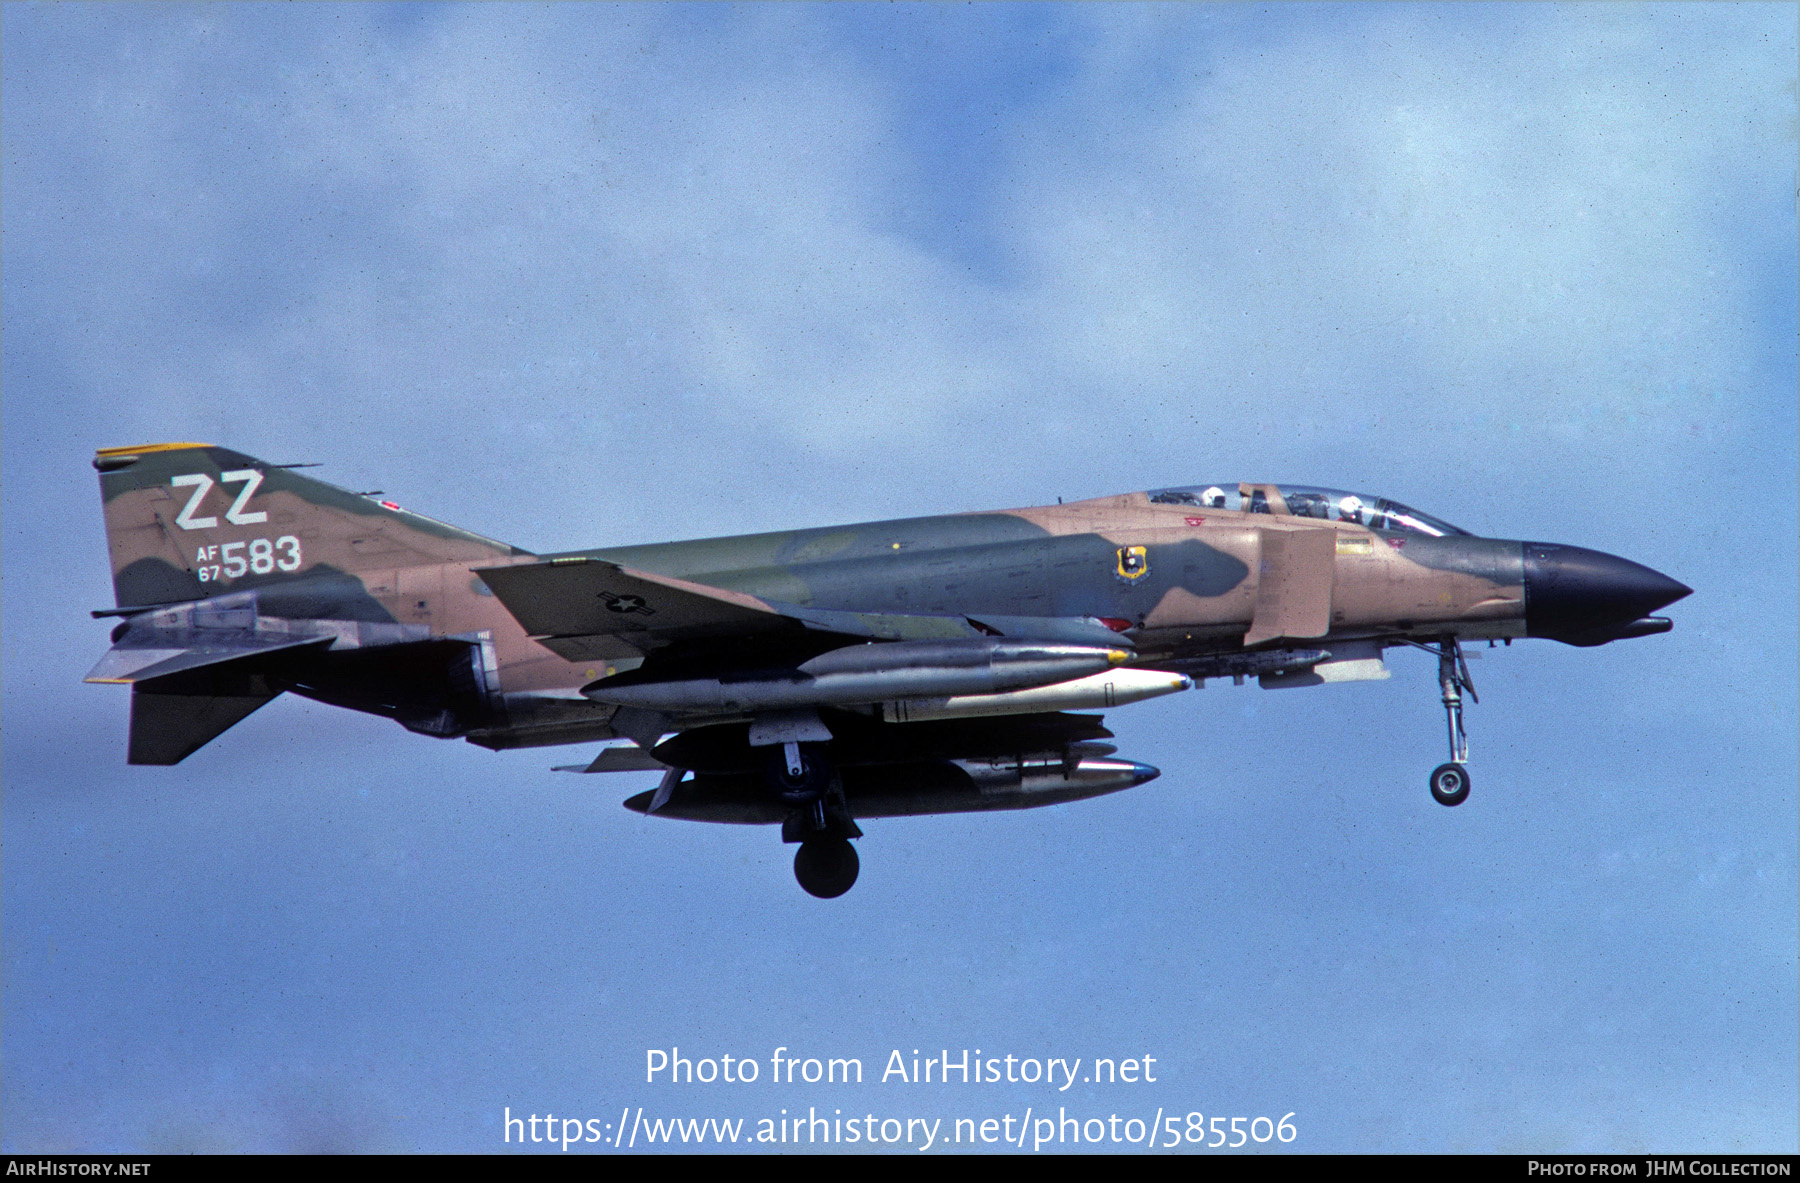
(1176, 580)
(1174, 575)
(1195, 588)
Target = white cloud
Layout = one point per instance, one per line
(1525, 227)
(563, 238)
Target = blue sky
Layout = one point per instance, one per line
(578, 276)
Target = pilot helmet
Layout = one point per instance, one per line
(1350, 508)
(1213, 498)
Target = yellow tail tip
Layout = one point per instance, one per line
(142, 448)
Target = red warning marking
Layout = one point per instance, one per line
(1196, 521)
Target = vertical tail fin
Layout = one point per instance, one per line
(189, 521)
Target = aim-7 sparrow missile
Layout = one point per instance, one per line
(861, 674)
(1242, 665)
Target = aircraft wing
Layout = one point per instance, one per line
(586, 609)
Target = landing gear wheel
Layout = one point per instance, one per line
(826, 867)
(1450, 784)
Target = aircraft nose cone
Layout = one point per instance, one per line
(1573, 594)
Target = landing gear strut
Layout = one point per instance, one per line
(1450, 782)
(818, 818)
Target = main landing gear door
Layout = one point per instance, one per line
(1293, 589)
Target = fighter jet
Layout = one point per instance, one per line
(809, 678)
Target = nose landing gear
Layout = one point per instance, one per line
(1450, 781)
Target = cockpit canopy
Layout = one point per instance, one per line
(1308, 501)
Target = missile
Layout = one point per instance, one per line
(863, 674)
(1026, 784)
(1239, 665)
(1094, 692)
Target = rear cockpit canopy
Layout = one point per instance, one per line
(1307, 501)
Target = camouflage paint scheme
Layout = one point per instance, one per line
(239, 581)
